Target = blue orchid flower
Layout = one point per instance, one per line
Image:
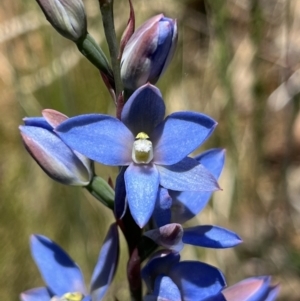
(168, 278)
(63, 278)
(180, 206)
(59, 162)
(251, 289)
(154, 149)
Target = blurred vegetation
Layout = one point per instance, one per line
(236, 61)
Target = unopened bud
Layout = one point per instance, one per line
(148, 52)
(58, 161)
(168, 236)
(66, 16)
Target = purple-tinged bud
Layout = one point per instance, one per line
(129, 30)
(66, 16)
(58, 161)
(168, 236)
(148, 52)
(252, 289)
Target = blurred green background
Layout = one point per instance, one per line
(237, 61)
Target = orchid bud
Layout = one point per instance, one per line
(168, 236)
(66, 16)
(69, 19)
(148, 52)
(59, 162)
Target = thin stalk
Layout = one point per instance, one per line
(133, 235)
(106, 7)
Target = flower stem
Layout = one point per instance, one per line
(102, 191)
(92, 51)
(106, 7)
(132, 234)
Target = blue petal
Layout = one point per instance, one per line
(36, 294)
(179, 135)
(164, 45)
(197, 280)
(60, 273)
(250, 289)
(218, 297)
(162, 212)
(160, 263)
(188, 174)
(102, 138)
(273, 293)
(165, 289)
(144, 110)
(213, 159)
(106, 264)
(210, 237)
(142, 183)
(54, 156)
(120, 195)
(173, 45)
(37, 122)
(187, 204)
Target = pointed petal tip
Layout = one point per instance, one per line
(141, 222)
(218, 149)
(151, 87)
(34, 237)
(37, 238)
(239, 241)
(53, 117)
(216, 183)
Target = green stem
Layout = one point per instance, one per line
(92, 51)
(101, 190)
(106, 7)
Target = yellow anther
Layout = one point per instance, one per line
(72, 297)
(142, 151)
(142, 135)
